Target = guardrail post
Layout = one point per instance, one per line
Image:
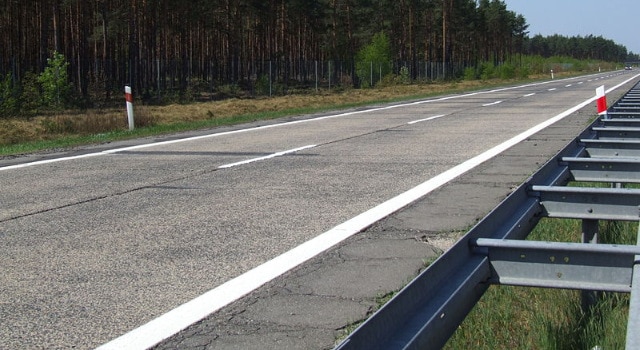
(633, 336)
(590, 232)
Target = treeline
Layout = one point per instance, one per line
(578, 47)
(157, 45)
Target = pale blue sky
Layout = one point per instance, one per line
(618, 20)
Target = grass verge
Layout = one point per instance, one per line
(509, 317)
(64, 129)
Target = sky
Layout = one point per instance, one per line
(612, 19)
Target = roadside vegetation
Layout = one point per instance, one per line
(70, 127)
(42, 113)
(202, 63)
(508, 318)
(536, 318)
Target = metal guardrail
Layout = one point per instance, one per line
(430, 308)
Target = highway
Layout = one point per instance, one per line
(99, 241)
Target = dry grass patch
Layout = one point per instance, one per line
(13, 131)
(53, 126)
(316, 100)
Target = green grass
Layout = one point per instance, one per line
(509, 317)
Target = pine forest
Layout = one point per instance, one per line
(254, 45)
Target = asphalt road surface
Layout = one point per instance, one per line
(101, 240)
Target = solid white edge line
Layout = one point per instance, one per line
(172, 322)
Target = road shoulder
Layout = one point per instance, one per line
(313, 305)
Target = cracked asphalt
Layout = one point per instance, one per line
(316, 304)
(99, 241)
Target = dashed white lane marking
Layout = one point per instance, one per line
(529, 95)
(197, 309)
(491, 104)
(163, 143)
(426, 119)
(277, 154)
(552, 89)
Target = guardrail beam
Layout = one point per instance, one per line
(612, 148)
(583, 266)
(588, 203)
(618, 133)
(425, 313)
(428, 312)
(600, 169)
(621, 122)
(626, 108)
(629, 115)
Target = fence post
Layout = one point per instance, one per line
(158, 76)
(129, 98)
(270, 77)
(371, 81)
(329, 75)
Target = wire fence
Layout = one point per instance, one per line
(267, 78)
(159, 78)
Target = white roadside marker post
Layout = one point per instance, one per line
(601, 102)
(129, 98)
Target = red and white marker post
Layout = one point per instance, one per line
(129, 98)
(602, 102)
